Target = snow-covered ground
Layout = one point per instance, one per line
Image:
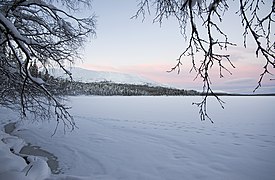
(154, 138)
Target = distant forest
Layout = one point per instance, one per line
(59, 86)
(106, 88)
(63, 86)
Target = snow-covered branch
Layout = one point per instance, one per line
(39, 32)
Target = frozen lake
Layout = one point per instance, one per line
(158, 138)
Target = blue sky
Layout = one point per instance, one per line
(144, 48)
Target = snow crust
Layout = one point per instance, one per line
(154, 138)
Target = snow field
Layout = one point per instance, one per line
(161, 138)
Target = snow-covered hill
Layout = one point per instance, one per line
(85, 75)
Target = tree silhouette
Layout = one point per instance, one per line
(210, 40)
(44, 32)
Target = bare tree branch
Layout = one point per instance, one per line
(260, 29)
(36, 31)
(208, 14)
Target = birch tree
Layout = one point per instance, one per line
(45, 32)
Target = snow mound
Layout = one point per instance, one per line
(15, 167)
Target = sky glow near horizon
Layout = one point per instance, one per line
(147, 49)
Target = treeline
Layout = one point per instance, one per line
(73, 88)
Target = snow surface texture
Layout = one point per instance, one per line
(85, 75)
(156, 138)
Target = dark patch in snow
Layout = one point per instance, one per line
(9, 128)
(52, 160)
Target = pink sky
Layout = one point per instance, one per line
(244, 77)
(144, 48)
